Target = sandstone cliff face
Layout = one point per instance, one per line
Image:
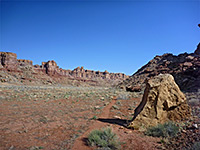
(30, 62)
(185, 68)
(50, 71)
(51, 67)
(162, 101)
(82, 73)
(8, 60)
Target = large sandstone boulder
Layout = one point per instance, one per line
(162, 101)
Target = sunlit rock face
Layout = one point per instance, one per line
(8, 60)
(162, 101)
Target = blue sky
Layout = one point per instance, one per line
(118, 36)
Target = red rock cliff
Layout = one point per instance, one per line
(8, 60)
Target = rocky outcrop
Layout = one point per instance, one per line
(162, 101)
(185, 68)
(8, 60)
(53, 73)
(0, 63)
(84, 73)
(51, 67)
(30, 62)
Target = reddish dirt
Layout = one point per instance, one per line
(63, 124)
(80, 143)
(49, 125)
(130, 139)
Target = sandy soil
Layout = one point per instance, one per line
(31, 119)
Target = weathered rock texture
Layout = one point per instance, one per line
(25, 61)
(162, 101)
(185, 68)
(8, 60)
(50, 73)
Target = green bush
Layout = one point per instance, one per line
(168, 129)
(94, 118)
(104, 138)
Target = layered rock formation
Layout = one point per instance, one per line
(185, 68)
(9, 62)
(162, 101)
(25, 61)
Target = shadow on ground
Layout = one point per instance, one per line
(120, 122)
(85, 141)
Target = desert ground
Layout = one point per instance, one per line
(46, 117)
(61, 117)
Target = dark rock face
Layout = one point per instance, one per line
(185, 69)
(9, 60)
(197, 51)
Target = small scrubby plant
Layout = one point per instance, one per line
(123, 97)
(104, 138)
(168, 129)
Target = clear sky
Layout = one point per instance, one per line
(118, 36)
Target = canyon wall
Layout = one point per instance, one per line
(9, 62)
(185, 69)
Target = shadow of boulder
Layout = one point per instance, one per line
(120, 122)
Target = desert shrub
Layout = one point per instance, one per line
(94, 118)
(168, 129)
(123, 96)
(104, 138)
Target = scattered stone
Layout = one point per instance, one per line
(195, 126)
(12, 147)
(117, 117)
(128, 131)
(115, 107)
(97, 107)
(105, 104)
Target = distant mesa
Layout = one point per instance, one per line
(9, 62)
